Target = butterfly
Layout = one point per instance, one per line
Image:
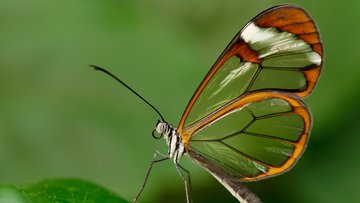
(247, 121)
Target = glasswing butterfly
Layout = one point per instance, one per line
(246, 121)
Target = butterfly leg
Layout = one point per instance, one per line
(153, 161)
(186, 181)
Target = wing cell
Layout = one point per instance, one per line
(228, 83)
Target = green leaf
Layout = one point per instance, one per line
(58, 191)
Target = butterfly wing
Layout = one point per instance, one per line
(255, 136)
(279, 49)
(246, 120)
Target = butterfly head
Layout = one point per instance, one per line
(163, 129)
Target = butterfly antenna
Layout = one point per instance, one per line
(129, 88)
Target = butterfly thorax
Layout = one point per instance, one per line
(176, 147)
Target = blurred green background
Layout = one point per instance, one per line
(59, 118)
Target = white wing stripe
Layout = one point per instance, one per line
(270, 42)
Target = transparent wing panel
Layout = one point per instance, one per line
(289, 126)
(253, 138)
(279, 79)
(233, 162)
(269, 106)
(267, 150)
(300, 60)
(230, 81)
(227, 125)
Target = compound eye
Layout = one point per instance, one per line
(156, 135)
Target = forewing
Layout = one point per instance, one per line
(256, 136)
(279, 49)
